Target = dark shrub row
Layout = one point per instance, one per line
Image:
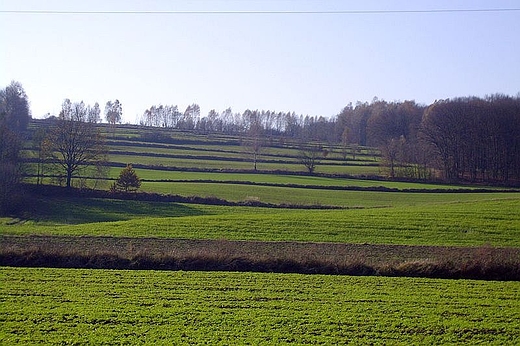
(476, 268)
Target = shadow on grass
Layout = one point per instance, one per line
(73, 210)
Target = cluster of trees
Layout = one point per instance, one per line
(113, 112)
(476, 139)
(467, 138)
(363, 124)
(462, 138)
(73, 142)
(394, 128)
(73, 145)
(374, 124)
(92, 114)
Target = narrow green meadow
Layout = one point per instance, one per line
(107, 307)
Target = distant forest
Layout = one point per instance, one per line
(467, 138)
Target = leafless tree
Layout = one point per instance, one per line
(254, 142)
(76, 143)
(310, 155)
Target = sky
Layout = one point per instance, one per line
(311, 57)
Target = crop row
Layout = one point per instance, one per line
(59, 306)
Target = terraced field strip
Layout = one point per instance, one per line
(228, 145)
(190, 154)
(304, 196)
(240, 165)
(302, 180)
(63, 306)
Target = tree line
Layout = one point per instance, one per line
(227, 121)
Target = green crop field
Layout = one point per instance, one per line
(473, 222)
(63, 306)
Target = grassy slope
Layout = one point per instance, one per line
(57, 306)
(206, 151)
(470, 223)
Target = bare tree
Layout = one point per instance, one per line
(93, 114)
(310, 156)
(190, 117)
(392, 153)
(344, 143)
(42, 147)
(254, 142)
(76, 144)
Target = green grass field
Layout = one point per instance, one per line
(473, 222)
(302, 180)
(62, 306)
(401, 217)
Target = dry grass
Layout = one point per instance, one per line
(284, 257)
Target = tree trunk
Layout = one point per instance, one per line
(69, 177)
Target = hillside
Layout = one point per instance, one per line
(198, 188)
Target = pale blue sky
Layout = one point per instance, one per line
(312, 64)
